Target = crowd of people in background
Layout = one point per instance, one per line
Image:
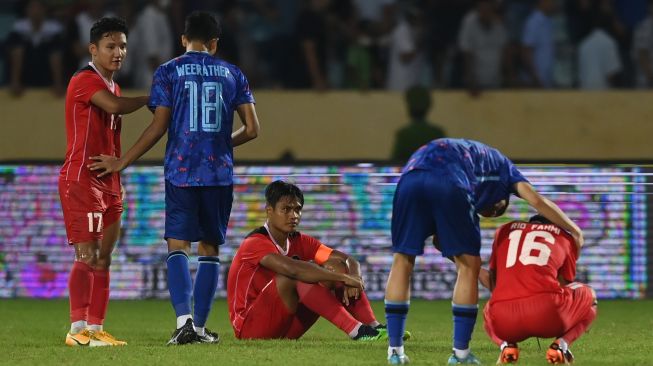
(350, 44)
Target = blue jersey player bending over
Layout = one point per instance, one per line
(443, 188)
(194, 97)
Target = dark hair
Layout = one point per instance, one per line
(277, 189)
(107, 25)
(541, 219)
(201, 26)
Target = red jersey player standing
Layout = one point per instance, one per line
(532, 269)
(92, 206)
(273, 290)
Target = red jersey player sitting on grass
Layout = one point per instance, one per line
(532, 269)
(273, 291)
(91, 205)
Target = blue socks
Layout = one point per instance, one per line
(395, 315)
(179, 282)
(464, 318)
(206, 283)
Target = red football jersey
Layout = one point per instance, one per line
(247, 277)
(90, 131)
(528, 258)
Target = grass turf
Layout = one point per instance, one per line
(33, 333)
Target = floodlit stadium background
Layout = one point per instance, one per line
(347, 207)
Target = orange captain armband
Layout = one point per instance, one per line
(322, 254)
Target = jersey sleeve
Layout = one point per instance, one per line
(243, 92)
(314, 249)
(513, 176)
(86, 85)
(256, 248)
(568, 269)
(161, 91)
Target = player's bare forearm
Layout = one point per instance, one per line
(550, 210)
(106, 164)
(118, 105)
(250, 128)
(306, 272)
(149, 137)
(484, 277)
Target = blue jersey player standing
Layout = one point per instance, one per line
(443, 188)
(194, 97)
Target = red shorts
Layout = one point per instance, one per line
(87, 211)
(546, 315)
(267, 317)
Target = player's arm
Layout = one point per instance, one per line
(306, 272)
(250, 128)
(354, 269)
(117, 105)
(152, 134)
(353, 265)
(550, 210)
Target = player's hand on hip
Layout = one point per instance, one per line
(106, 164)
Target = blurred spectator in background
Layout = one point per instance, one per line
(598, 57)
(643, 50)
(483, 41)
(308, 68)
(377, 18)
(443, 20)
(151, 43)
(407, 61)
(359, 58)
(80, 31)
(35, 57)
(419, 131)
(267, 26)
(538, 45)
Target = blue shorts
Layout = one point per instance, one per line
(428, 203)
(198, 213)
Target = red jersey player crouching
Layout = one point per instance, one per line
(92, 206)
(532, 269)
(273, 289)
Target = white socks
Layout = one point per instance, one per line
(200, 331)
(461, 353)
(77, 326)
(181, 320)
(563, 345)
(95, 327)
(398, 350)
(354, 332)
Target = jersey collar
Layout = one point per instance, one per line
(284, 252)
(110, 84)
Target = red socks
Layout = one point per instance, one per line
(89, 293)
(321, 301)
(80, 285)
(100, 297)
(360, 309)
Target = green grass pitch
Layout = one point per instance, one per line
(33, 333)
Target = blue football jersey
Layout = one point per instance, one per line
(203, 92)
(488, 175)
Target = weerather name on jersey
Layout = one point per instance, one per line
(202, 70)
